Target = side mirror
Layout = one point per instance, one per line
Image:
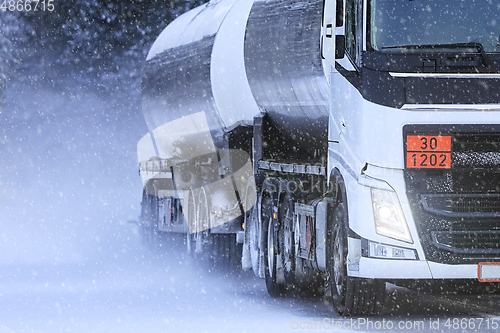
(339, 46)
(333, 17)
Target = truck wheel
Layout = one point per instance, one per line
(144, 219)
(149, 220)
(351, 296)
(255, 251)
(191, 225)
(228, 252)
(274, 288)
(248, 257)
(287, 240)
(203, 238)
(252, 223)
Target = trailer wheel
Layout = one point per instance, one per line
(252, 232)
(287, 239)
(274, 288)
(191, 224)
(203, 239)
(149, 220)
(246, 259)
(227, 252)
(351, 296)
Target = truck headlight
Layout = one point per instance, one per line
(389, 217)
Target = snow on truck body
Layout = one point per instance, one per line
(339, 144)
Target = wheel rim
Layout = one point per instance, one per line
(191, 225)
(253, 235)
(338, 262)
(202, 232)
(270, 247)
(252, 226)
(254, 249)
(288, 243)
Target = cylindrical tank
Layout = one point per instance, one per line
(221, 64)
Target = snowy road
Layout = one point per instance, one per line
(69, 262)
(142, 291)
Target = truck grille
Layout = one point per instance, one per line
(468, 242)
(476, 143)
(457, 210)
(462, 205)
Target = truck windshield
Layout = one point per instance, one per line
(433, 24)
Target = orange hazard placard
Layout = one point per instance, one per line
(428, 160)
(428, 151)
(433, 143)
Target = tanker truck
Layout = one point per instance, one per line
(331, 146)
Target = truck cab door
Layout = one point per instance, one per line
(332, 37)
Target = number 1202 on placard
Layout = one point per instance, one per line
(428, 151)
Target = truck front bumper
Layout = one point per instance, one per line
(410, 269)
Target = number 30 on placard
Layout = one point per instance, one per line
(428, 151)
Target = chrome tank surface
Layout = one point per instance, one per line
(223, 63)
(284, 67)
(177, 99)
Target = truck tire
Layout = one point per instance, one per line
(191, 225)
(149, 220)
(351, 296)
(202, 238)
(255, 250)
(287, 239)
(251, 251)
(274, 288)
(228, 252)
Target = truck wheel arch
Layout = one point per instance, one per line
(338, 191)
